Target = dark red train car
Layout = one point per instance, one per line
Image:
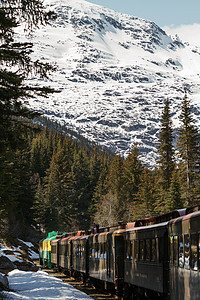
(184, 257)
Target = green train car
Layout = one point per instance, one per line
(45, 249)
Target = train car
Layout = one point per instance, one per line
(46, 245)
(65, 254)
(55, 250)
(66, 251)
(146, 262)
(184, 257)
(80, 257)
(106, 258)
(153, 258)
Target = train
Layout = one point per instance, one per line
(153, 258)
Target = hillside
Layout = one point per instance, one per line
(114, 72)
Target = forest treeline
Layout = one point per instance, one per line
(52, 180)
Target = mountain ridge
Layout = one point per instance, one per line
(114, 73)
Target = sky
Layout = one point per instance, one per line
(162, 12)
(180, 17)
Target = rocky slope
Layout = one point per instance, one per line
(114, 73)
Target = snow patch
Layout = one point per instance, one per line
(39, 285)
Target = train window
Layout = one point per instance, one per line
(97, 250)
(98, 253)
(93, 252)
(65, 250)
(101, 250)
(153, 250)
(180, 252)
(193, 239)
(105, 250)
(176, 250)
(53, 249)
(135, 247)
(131, 250)
(127, 249)
(199, 250)
(90, 250)
(148, 251)
(75, 250)
(141, 250)
(187, 251)
(171, 249)
(161, 255)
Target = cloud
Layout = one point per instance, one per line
(187, 33)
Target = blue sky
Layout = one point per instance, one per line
(162, 12)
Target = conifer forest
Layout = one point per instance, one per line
(51, 179)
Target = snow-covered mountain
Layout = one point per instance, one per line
(114, 73)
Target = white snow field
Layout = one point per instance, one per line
(114, 72)
(39, 285)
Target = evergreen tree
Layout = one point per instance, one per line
(15, 67)
(81, 192)
(143, 206)
(165, 148)
(95, 168)
(57, 192)
(115, 180)
(188, 149)
(39, 207)
(15, 55)
(35, 158)
(116, 189)
(100, 190)
(132, 171)
(174, 200)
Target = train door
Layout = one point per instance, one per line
(119, 256)
(57, 255)
(71, 254)
(109, 255)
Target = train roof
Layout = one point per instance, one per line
(65, 239)
(50, 238)
(186, 217)
(56, 240)
(148, 227)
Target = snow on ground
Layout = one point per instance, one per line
(16, 253)
(39, 285)
(3, 248)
